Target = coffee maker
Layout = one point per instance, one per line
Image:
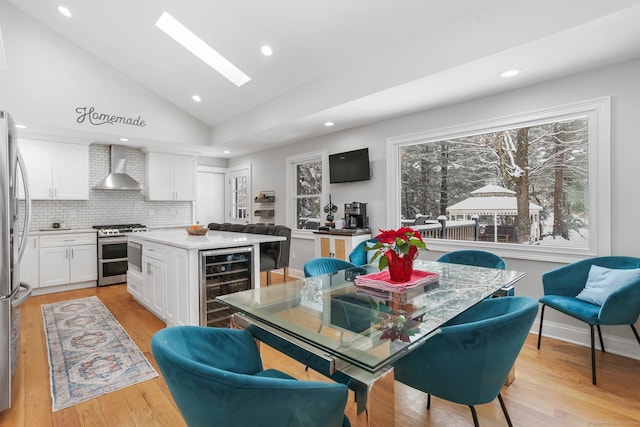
(355, 215)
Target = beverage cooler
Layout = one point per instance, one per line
(222, 272)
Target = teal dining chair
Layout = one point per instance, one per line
(215, 376)
(470, 359)
(325, 265)
(359, 255)
(597, 291)
(474, 257)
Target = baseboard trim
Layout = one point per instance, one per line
(581, 336)
(62, 288)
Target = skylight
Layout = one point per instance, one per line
(199, 48)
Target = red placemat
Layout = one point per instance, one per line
(382, 280)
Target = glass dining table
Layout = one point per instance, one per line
(352, 333)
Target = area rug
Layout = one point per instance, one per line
(90, 354)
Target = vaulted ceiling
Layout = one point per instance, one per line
(349, 62)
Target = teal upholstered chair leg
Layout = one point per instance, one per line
(469, 360)
(620, 307)
(215, 376)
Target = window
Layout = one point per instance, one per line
(524, 184)
(239, 190)
(307, 179)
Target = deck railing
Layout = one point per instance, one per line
(450, 230)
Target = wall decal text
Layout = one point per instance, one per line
(97, 119)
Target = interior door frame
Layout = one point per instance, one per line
(211, 169)
(232, 172)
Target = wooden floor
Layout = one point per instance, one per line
(552, 387)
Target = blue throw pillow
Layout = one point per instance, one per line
(604, 281)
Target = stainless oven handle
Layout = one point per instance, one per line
(107, 261)
(112, 240)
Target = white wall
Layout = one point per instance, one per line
(619, 81)
(48, 77)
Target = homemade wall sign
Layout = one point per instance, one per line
(95, 118)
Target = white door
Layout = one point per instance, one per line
(210, 195)
(239, 195)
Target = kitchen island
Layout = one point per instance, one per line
(166, 276)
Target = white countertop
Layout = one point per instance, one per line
(212, 240)
(53, 231)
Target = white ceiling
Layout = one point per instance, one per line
(347, 61)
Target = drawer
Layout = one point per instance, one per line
(153, 251)
(68, 240)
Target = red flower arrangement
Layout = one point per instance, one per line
(397, 249)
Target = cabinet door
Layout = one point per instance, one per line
(159, 185)
(177, 287)
(29, 267)
(71, 172)
(37, 157)
(147, 281)
(184, 177)
(134, 284)
(154, 286)
(340, 248)
(83, 266)
(324, 248)
(54, 266)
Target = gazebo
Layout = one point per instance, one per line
(493, 200)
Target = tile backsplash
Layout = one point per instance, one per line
(110, 206)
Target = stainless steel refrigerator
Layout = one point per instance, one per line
(13, 214)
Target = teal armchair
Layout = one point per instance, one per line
(474, 257)
(469, 361)
(215, 376)
(358, 255)
(325, 265)
(621, 307)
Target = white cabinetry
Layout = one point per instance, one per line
(29, 263)
(56, 170)
(67, 258)
(154, 279)
(170, 177)
(177, 308)
(337, 245)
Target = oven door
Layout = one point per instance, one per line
(112, 260)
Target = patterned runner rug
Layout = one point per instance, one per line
(90, 354)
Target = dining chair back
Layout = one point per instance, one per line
(359, 254)
(469, 360)
(620, 307)
(474, 257)
(215, 376)
(325, 265)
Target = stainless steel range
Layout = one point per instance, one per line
(112, 251)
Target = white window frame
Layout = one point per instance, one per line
(599, 117)
(290, 210)
(229, 194)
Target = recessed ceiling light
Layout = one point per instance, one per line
(510, 73)
(63, 10)
(21, 126)
(266, 50)
(227, 151)
(124, 139)
(199, 48)
(328, 124)
(196, 98)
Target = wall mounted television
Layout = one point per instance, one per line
(349, 166)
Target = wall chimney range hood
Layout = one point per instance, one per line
(118, 179)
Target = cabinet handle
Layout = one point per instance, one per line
(51, 192)
(55, 192)
(34, 243)
(66, 253)
(72, 255)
